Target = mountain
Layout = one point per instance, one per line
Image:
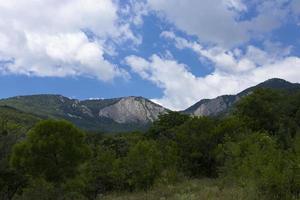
(222, 104)
(109, 115)
(118, 114)
(16, 119)
(132, 110)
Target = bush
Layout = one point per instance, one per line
(99, 173)
(142, 165)
(257, 161)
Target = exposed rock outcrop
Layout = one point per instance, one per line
(133, 110)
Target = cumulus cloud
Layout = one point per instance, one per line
(182, 89)
(223, 34)
(234, 71)
(134, 11)
(232, 61)
(46, 38)
(72, 38)
(221, 22)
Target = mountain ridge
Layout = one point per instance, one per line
(223, 103)
(128, 113)
(108, 115)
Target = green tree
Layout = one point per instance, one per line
(99, 172)
(11, 181)
(196, 141)
(164, 127)
(142, 165)
(257, 162)
(53, 150)
(260, 110)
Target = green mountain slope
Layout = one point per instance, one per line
(16, 119)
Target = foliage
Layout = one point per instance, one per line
(13, 126)
(143, 165)
(191, 189)
(166, 124)
(53, 150)
(82, 113)
(196, 141)
(99, 172)
(260, 110)
(256, 149)
(257, 160)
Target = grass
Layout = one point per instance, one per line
(205, 189)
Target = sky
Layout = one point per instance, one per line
(174, 52)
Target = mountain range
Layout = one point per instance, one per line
(122, 114)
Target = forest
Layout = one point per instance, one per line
(254, 149)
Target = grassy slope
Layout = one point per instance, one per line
(187, 190)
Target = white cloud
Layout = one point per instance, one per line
(135, 11)
(220, 21)
(182, 88)
(220, 30)
(236, 4)
(179, 85)
(211, 21)
(233, 61)
(234, 71)
(45, 38)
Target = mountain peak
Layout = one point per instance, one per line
(221, 104)
(133, 110)
(273, 83)
(277, 83)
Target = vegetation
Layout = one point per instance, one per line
(85, 114)
(193, 189)
(252, 153)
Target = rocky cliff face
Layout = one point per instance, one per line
(133, 110)
(212, 107)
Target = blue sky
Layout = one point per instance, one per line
(174, 52)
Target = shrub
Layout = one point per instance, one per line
(257, 161)
(143, 165)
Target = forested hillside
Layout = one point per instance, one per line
(252, 153)
(106, 115)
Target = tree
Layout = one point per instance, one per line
(98, 172)
(256, 161)
(196, 142)
(261, 110)
(165, 125)
(53, 150)
(142, 165)
(11, 181)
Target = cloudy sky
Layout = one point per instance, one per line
(174, 52)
